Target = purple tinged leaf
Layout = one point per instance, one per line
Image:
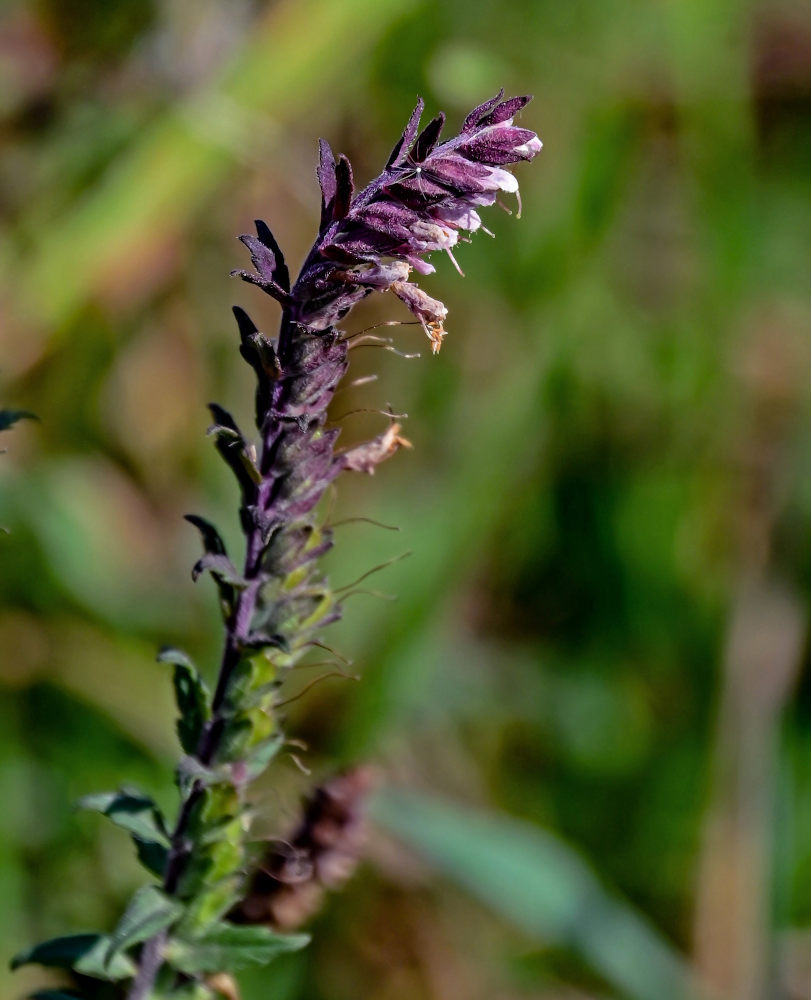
(234, 449)
(344, 188)
(220, 567)
(260, 353)
(247, 327)
(472, 120)
(255, 348)
(267, 239)
(326, 181)
(505, 110)
(265, 262)
(427, 139)
(223, 419)
(262, 257)
(406, 140)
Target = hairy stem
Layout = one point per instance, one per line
(148, 967)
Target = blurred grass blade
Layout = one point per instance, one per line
(156, 185)
(543, 886)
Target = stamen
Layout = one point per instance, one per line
(302, 767)
(312, 683)
(376, 326)
(368, 520)
(373, 570)
(455, 264)
(370, 593)
(371, 409)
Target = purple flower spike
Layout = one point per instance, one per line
(427, 193)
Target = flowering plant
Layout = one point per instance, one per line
(206, 914)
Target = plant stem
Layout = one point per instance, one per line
(148, 966)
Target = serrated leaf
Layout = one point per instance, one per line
(192, 698)
(148, 912)
(86, 953)
(226, 946)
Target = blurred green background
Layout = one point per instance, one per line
(591, 700)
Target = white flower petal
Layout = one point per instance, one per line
(504, 179)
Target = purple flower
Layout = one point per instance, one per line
(426, 195)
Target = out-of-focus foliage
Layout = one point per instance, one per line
(602, 629)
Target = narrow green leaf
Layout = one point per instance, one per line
(212, 541)
(86, 953)
(229, 947)
(192, 697)
(543, 886)
(148, 912)
(140, 817)
(257, 760)
(131, 810)
(154, 857)
(177, 657)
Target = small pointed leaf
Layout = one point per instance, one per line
(326, 181)
(154, 857)
(132, 811)
(192, 697)
(427, 139)
(148, 912)
(258, 759)
(344, 188)
(235, 450)
(212, 542)
(269, 240)
(406, 141)
(86, 953)
(226, 946)
(221, 568)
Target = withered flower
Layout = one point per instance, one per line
(320, 854)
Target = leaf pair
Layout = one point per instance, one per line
(150, 911)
